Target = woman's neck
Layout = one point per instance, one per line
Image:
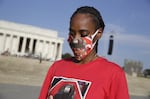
(90, 57)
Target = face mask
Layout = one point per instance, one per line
(81, 47)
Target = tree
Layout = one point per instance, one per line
(132, 66)
(66, 55)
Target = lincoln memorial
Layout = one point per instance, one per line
(24, 40)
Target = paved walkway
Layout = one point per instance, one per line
(30, 72)
(11, 91)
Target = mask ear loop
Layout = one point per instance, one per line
(93, 35)
(93, 38)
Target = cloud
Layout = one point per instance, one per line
(145, 52)
(113, 29)
(134, 40)
(124, 37)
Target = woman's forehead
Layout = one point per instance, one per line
(82, 21)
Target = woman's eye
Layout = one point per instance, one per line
(84, 34)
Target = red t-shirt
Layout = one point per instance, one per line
(99, 79)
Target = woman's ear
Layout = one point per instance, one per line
(100, 32)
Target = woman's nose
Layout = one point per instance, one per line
(77, 36)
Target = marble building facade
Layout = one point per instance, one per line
(24, 40)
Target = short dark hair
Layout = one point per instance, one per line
(95, 14)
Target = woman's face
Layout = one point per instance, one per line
(81, 25)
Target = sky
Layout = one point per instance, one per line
(127, 20)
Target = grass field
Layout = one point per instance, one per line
(25, 71)
(19, 70)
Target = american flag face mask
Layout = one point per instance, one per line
(81, 47)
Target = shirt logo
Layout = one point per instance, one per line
(68, 88)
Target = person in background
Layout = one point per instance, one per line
(86, 75)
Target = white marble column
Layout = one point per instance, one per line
(59, 51)
(17, 45)
(54, 51)
(47, 49)
(37, 47)
(41, 46)
(7, 43)
(52, 48)
(11, 44)
(2, 37)
(44, 49)
(4, 42)
(31, 45)
(49, 53)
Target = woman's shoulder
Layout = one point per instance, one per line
(107, 64)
